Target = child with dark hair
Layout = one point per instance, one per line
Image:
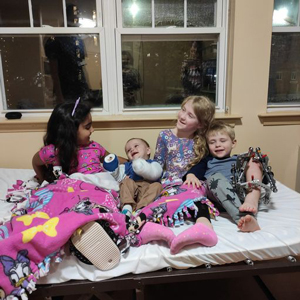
(67, 142)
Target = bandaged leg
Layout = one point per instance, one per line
(196, 234)
(156, 232)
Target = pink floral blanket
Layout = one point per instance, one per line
(44, 220)
(52, 215)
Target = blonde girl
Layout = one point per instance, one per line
(182, 147)
(179, 149)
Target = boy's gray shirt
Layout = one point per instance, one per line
(222, 166)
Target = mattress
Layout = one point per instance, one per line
(279, 237)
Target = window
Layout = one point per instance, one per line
(142, 56)
(278, 75)
(285, 58)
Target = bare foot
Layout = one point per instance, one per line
(250, 205)
(248, 224)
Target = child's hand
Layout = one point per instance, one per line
(140, 166)
(191, 179)
(149, 171)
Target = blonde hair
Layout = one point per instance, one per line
(204, 110)
(220, 126)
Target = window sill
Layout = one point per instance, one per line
(119, 122)
(280, 118)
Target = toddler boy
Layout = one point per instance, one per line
(216, 170)
(139, 177)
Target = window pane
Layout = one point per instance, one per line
(285, 12)
(160, 72)
(81, 13)
(136, 13)
(284, 69)
(47, 13)
(201, 13)
(14, 13)
(169, 13)
(40, 71)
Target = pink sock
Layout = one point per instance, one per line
(156, 232)
(196, 234)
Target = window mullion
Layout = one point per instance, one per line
(222, 61)
(298, 21)
(3, 103)
(119, 14)
(30, 13)
(119, 72)
(219, 11)
(153, 13)
(64, 12)
(185, 14)
(109, 23)
(221, 73)
(99, 13)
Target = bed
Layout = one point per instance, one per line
(275, 248)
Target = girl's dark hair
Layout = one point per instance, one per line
(62, 130)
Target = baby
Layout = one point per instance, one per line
(139, 178)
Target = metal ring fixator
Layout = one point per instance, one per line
(169, 269)
(208, 266)
(249, 262)
(292, 259)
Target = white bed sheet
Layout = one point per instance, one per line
(279, 237)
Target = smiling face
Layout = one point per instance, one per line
(220, 144)
(137, 148)
(187, 121)
(85, 129)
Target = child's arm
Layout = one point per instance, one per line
(112, 165)
(39, 167)
(121, 159)
(149, 171)
(160, 151)
(191, 179)
(198, 171)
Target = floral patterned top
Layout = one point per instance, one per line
(88, 158)
(173, 154)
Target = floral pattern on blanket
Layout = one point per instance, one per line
(39, 230)
(45, 218)
(176, 203)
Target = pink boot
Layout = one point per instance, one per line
(155, 232)
(196, 234)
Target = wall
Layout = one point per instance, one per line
(247, 89)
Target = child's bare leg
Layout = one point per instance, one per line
(250, 204)
(248, 224)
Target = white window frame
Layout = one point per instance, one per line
(99, 30)
(109, 28)
(285, 29)
(220, 29)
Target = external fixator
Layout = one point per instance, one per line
(238, 172)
